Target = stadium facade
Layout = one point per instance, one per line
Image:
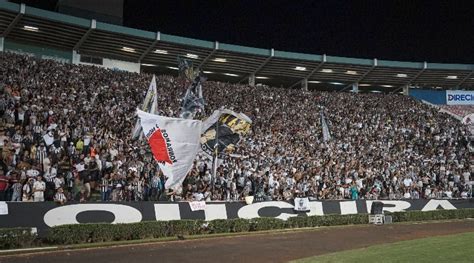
(81, 41)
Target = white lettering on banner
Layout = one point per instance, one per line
(315, 209)
(165, 212)
(348, 207)
(459, 97)
(215, 211)
(434, 204)
(400, 206)
(66, 215)
(3, 208)
(251, 211)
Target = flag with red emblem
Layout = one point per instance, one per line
(174, 143)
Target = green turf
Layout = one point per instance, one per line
(452, 248)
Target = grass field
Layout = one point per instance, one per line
(453, 248)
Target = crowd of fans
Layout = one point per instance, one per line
(66, 135)
(459, 110)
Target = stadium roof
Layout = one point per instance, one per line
(158, 52)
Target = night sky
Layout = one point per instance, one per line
(431, 30)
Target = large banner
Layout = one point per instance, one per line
(460, 97)
(48, 214)
(222, 131)
(174, 143)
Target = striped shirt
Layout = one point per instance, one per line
(104, 185)
(60, 197)
(41, 155)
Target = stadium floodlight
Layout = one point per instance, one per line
(262, 77)
(220, 60)
(402, 75)
(207, 72)
(314, 81)
(300, 68)
(31, 28)
(327, 70)
(386, 86)
(160, 51)
(452, 77)
(173, 68)
(128, 49)
(364, 85)
(148, 65)
(231, 74)
(336, 83)
(194, 56)
(351, 72)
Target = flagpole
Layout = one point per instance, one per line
(215, 158)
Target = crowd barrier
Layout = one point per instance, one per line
(45, 215)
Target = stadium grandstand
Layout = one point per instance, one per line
(75, 40)
(70, 88)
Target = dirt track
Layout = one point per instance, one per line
(277, 247)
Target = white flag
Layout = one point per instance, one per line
(174, 143)
(150, 105)
(48, 138)
(324, 125)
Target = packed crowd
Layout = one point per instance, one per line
(459, 110)
(66, 135)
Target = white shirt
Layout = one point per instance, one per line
(32, 173)
(407, 182)
(449, 194)
(57, 182)
(80, 167)
(198, 196)
(87, 140)
(39, 186)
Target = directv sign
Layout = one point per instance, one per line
(459, 97)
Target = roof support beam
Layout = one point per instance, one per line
(265, 62)
(272, 54)
(397, 89)
(216, 47)
(363, 76)
(311, 73)
(14, 21)
(465, 79)
(425, 66)
(152, 46)
(86, 35)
